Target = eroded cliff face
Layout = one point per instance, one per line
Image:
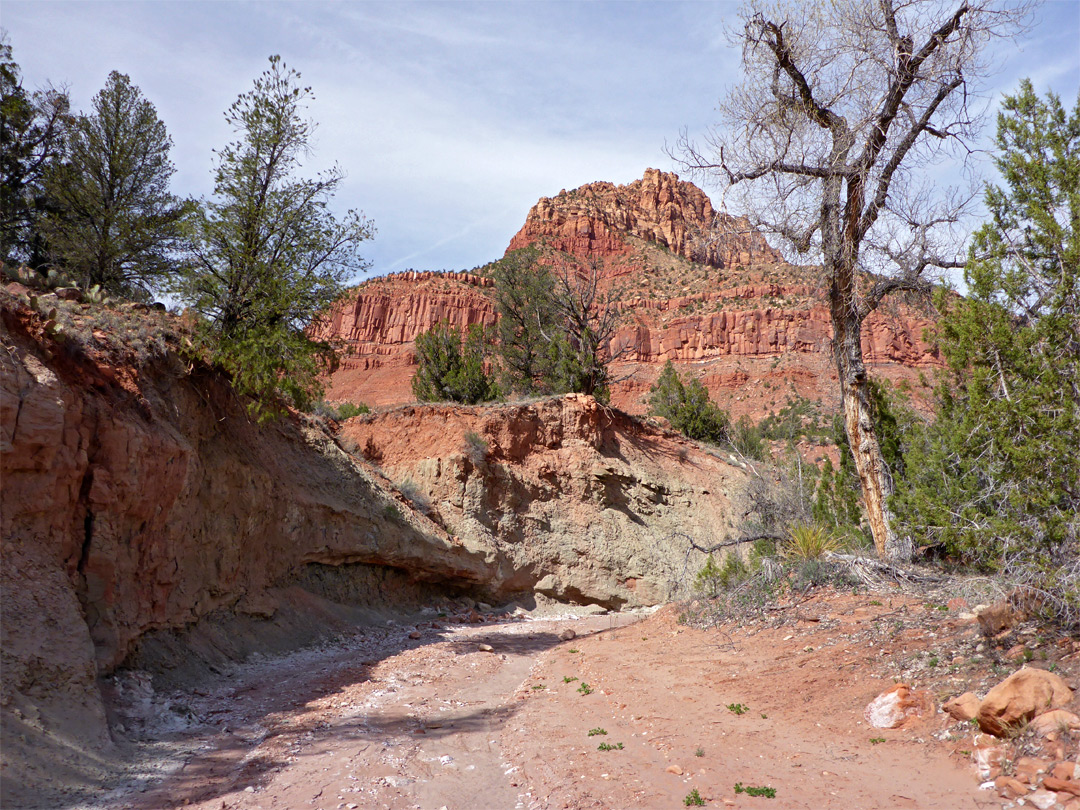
(581, 502)
(139, 499)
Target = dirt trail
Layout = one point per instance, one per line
(383, 721)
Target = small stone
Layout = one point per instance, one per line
(568, 634)
(485, 648)
(963, 707)
(1065, 770)
(997, 617)
(249, 789)
(1055, 722)
(1043, 799)
(1009, 788)
(1029, 768)
(895, 707)
(415, 634)
(1017, 652)
(675, 769)
(1061, 785)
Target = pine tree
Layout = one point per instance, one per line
(114, 222)
(267, 256)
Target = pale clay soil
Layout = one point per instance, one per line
(378, 720)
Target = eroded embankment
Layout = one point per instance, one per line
(147, 522)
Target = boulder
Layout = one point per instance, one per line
(1019, 698)
(898, 706)
(1009, 788)
(963, 707)
(1054, 722)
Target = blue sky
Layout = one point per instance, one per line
(450, 119)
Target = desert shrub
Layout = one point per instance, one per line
(338, 413)
(809, 542)
(476, 447)
(416, 496)
(745, 437)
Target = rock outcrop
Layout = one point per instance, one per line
(593, 221)
(142, 509)
(577, 501)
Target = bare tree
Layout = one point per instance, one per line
(588, 315)
(843, 108)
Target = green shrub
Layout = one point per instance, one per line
(449, 369)
(686, 405)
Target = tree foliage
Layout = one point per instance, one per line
(996, 478)
(525, 301)
(686, 405)
(557, 324)
(113, 221)
(32, 130)
(267, 256)
(452, 369)
(841, 103)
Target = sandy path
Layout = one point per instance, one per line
(381, 721)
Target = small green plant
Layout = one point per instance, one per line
(693, 799)
(569, 678)
(737, 708)
(875, 603)
(573, 651)
(391, 512)
(585, 689)
(609, 747)
(764, 716)
(876, 740)
(767, 792)
(593, 732)
(932, 662)
(699, 752)
(539, 686)
(809, 542)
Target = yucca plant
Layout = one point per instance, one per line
(809, 541)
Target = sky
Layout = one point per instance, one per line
(450, 119)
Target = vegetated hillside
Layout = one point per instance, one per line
(707, 293)
(148, 522)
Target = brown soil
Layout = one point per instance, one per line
(380, 720)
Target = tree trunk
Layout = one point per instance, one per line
(874, 474)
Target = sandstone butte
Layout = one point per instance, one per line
(700, 289)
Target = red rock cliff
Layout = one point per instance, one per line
(595, 220)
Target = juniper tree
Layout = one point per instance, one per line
(32, 129)
(996, 477)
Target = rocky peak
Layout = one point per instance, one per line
(594, 221)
